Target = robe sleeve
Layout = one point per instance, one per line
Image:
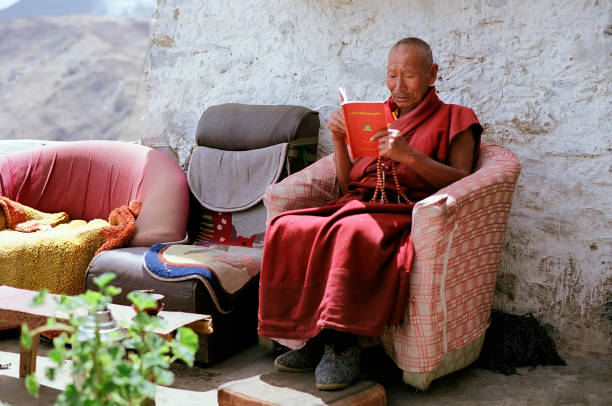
(462, 118)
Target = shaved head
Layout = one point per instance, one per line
(410, 72)
(422, 46)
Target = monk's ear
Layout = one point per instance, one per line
(432, 75)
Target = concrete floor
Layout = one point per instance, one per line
(586, 380)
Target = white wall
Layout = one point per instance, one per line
(537, 73)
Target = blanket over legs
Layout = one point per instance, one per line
(329, 291)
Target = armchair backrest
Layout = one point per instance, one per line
(241, 149)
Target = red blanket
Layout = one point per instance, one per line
(345, 265)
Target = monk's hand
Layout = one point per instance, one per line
(392, 145)
(336, 125)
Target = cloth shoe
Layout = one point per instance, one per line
(337, 371)
(300, 360)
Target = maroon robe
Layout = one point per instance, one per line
(345, 265)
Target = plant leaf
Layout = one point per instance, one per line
(26, 337)
(185, 345)
(112, 290)
(50, 373)
(163, 377)
(57, 355)
(39, 299)
(147, 389)
(188, 338)
(32, 385)
(103, 280)
(142, 300)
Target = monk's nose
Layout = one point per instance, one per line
(399, 84)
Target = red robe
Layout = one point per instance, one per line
(345, 265)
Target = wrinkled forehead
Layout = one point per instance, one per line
(408, 55)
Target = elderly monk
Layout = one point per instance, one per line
(335, 272)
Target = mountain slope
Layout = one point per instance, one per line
(71, 77)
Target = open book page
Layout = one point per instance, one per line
(363, 119)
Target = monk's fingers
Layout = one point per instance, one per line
(394, 133)
(379, 134)
(388, 141)
(337, 118)
(384, 146)
(384, 150)
(336, 127)
(383, 142)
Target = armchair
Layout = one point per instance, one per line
(458, 235)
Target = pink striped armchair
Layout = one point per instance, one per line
(458, 235)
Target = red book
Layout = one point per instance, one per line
(362, 120)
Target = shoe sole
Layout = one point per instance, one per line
(333, 386)
(284, 368)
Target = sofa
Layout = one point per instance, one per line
(87, 180)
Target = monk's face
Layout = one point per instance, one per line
(408, 76)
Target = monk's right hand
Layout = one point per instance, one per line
(336, 125)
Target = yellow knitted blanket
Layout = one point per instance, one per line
(50, 251)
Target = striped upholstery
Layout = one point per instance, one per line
(458, 235)
(310, 187)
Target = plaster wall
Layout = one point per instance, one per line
(537, 73)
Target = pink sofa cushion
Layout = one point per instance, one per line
(88, 179)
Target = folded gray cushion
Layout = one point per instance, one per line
(229, 181)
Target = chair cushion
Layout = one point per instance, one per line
(230, 181)
(225, 270)
(127, 265)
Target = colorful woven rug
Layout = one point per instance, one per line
(224, 270)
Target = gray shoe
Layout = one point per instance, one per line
(337, 371)
(300, 360)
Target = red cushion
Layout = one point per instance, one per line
(88, 179)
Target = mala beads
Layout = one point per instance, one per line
(380, 184)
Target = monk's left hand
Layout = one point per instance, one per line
(392, 145)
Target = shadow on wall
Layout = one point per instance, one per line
(607, 312)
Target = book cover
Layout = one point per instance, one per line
(362, 120)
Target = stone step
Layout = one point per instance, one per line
(293, 389)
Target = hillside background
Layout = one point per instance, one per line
(71, 70)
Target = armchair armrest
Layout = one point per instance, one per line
(458, 236)
(310, 187)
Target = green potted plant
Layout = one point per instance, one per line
(111, 365)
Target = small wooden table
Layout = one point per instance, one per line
(15, 310)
